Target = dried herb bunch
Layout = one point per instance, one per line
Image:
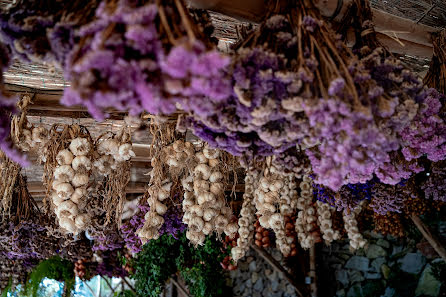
(44, 31)
(155, 43)
(436, 76)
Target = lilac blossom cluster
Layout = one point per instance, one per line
(123, 63)
(435, 187)
(173, 225)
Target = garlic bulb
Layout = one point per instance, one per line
(104, 165)
(64, 173)
(64, 190)
(81, 221)
(80, 180)
(126, 152)
(68, 224)
(64, 157)
(39, 135)
(68, 206)
(79, 195)
(80, 146)
(81, 163)
(108, 147)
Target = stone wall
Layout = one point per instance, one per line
(256, 278)
(387, 267)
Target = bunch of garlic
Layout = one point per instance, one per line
(113, 151)
(247, 217)
(306, 218)
(206, 211)
(287, 205)
(324, 212)
(266, 198)
(159, 191)
(71, 178)
(32, 138)
(351, 226)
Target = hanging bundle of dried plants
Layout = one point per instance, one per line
(436, 76)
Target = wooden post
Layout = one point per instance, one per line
(276, 265)
(313, 285)
(434, 242)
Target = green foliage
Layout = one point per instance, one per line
(53, 268)
(162, 258)
(200, 268)
(154, 265)
(8, 289)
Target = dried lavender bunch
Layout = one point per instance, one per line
(436, 76)
(44, 31)
(143, 56)
(172, 225)
(434, 186)
(387, 198)
(347, 198)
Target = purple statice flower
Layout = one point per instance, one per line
(173, 225)
(133, 69)
(434, 186)
(427, 133)
(351, 146)
(336, 87)
(310, 23)
(387, 198)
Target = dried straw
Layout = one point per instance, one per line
(436, 76)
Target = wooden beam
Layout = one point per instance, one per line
(431, 238)
(416, 37)
(37, 190)
(300, 288)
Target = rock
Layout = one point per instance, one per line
(376, 235)
(442, 228)
(268, 272)
(256, 294)
(412, 263)
(238, 289)
(355, 276)
(397, 251)
(274, 286)
(253, 266)
(242, 266)
(259, 285)
(360, 252)
(273, 276)
(355, 291)
(277, 255)
(275, 294)
(344, 256)
(248, 283)
(389, 292)
(342, 277)
(376, 264)
(372, 275)
(385, 270)
(428, 285)
(374, 251)
(249, 259)
(336, 266)
(254, 277)
(358, 263)
(290, 290)
(383, 243)
(340, 293)
(246, 292)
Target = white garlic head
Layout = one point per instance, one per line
(80, 180)
(64, 157)
(81, 163)
(64, 173)
(80, 146)
(64, 190)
